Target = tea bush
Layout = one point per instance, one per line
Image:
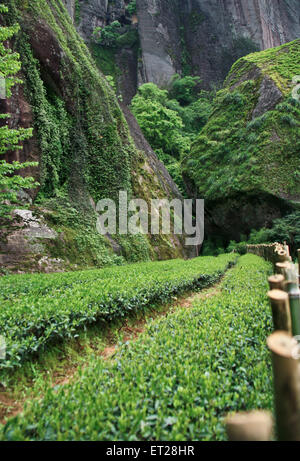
(177, 381)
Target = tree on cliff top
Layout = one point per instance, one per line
(10, 139)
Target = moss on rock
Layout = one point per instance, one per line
(85, 147)
(251, 142)
(250, 146)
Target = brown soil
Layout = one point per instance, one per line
(8, 407)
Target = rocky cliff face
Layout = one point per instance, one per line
(199, 37)
(84, 143)
(98, 13)
(205, 37)
(120, 62)
(85, 151)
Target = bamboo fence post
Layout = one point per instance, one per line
(281, 267)
(294, 300)
(282, 256)
(286, 385)
(280, 310)
(276, 282)
(255, 426)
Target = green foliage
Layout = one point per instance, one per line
(280, 63)
(106, 61)
(212, 246)
(186, 61)
(174, 168)
(196, 114)
(177, 381)
(184, 90)
(10, 62)
(135, 248)
(107, 36)
(77, 12)
(11, 184)
(131, 8)
(111, 81)
(283, 229)
(129, 39)
(83, 137)
(78, 241)
(290, 120)
(240, 247)
(53, 124)
(36, 309)
(11, 139)
(106, 56)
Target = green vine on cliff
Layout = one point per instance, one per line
(11, 139)
(100, 156)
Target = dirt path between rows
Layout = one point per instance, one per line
(11, 406)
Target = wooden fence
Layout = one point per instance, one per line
(284, 346)
(275, 252)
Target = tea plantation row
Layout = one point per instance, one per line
(37, 309)
(177, 381)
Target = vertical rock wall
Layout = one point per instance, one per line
(205, 37)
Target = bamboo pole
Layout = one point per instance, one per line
(282, 267)
(276, 282)
(280, 310)
(292, 288)
(282, 256)
(294, 299)
(255, 426)
(286, 385)
(286, 249)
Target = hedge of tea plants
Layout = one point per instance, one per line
(177, 381)
(38, 309)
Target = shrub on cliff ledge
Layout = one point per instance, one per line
(131, 8)
(161, 126)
